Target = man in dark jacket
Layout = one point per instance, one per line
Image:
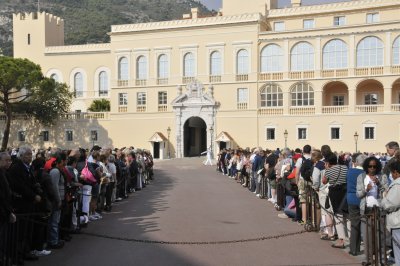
(133, 171)
(27, 192)
(6, 211)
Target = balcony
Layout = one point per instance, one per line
(270, 111)
(395, 69)
(302, 75)
(163, 108)
(335, 109)
(141, 82)
(122, 83)
(162, 81)
(242, 106)
(334, 73)
(122, 109)
(369, 71)
(244, 77)
(302, 110)
(270, 76)
(372, 108)
(79, 115)
(215, 79)
(186, 80)
(395, 108)
(141, 109)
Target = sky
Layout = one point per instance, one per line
(217, 4)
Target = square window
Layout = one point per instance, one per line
(69, 135)
(339, 21)
(308, 24)
(21, 135)
(302, 133)
(335, 133)
(369, 132)
(279, 26)
(270, 133)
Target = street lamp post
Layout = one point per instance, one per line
(356, 139)
(168, 133)
(211, 138)
(285, 134)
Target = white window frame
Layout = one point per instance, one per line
(396, 51)
(370, 56)
(213, 47)
(241, 45)
(279, 26)
(55, 72)
(301, 60)
(124, 97)
(277, 90)
(338, 95)
(308, 24)
(310, 95)
(242, 69)
(97, 134)
(161, 99)
(142, 67)
(189, 49)
(337, 21)
(298, 127)
(335, 56)
(369, 126)
(372, 17)
(266, 133)
(330, 132)
(239, 95)
(66, 135)
(97, 81)
(370, 93)
(162, 74)
(272, 58)
(119, 72)
(19, 135)
(211, 65)
(139, 100)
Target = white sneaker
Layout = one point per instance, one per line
(257, 195)
(283, 216)
(98, 215)
(93, 218)
(118, 199)
(42, 253)
(270, 199)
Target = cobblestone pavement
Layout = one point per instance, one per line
(190, 202)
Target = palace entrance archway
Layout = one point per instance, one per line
(194, 137)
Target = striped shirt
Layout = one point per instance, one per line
(336, 174)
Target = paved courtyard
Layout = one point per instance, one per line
(189, 202)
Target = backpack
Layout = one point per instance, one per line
(306, 169)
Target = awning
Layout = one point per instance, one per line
(223, 137)
(158, 137)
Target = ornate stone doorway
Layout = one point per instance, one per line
(195, 112)
(194, 137)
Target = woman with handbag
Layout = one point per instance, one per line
(336, 176)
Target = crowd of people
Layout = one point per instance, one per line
(332, 192)
(47, 195)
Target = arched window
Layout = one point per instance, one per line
(271, 96)
(141, 67)
(123, 69)
(271, 59)
(370, 52)
(302, 57)
(215, 64)
(302, 94)
(78, 84)
(335, 55)
(396, 51)
(162, 66)
(188, 65)
(103, 84)
(55, 77)
(242, 62)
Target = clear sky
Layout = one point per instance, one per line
(217, 4)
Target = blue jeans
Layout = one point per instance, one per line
(289, 212)
(54, 222)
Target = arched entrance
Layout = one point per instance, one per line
(195, 136)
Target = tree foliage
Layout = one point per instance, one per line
(24, 90)
(101, 105)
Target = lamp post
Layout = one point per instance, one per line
(168, 133)
(356, 139)
(285, 134)
(93, 137)
(211, 138)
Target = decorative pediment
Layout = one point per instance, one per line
(369, 122)
(195, 95)
(224, 137)
(158, 137)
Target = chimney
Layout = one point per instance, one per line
(195, 12)
(296, 3)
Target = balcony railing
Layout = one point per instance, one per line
(335, 109)
(367, 71)
(395, 108)
(302, 75)
(215, 79)
(122, 109)
(141, 82)
(372, 108)
(163, 108)
(242, 106)
(333, 73)
(77, 115)
(186, 80)
(302, 110)
(162, 81)
(122, 83)
(242, 77)
(271, 76)
(141, 109)
(395, 69)
(271, 111)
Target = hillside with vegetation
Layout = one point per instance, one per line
(88, 21)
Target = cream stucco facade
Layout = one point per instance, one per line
(241, 78)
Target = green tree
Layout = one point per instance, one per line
(101, 105)
(24, 90)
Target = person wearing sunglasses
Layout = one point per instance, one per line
(370, 188)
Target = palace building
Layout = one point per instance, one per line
(324, 74)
